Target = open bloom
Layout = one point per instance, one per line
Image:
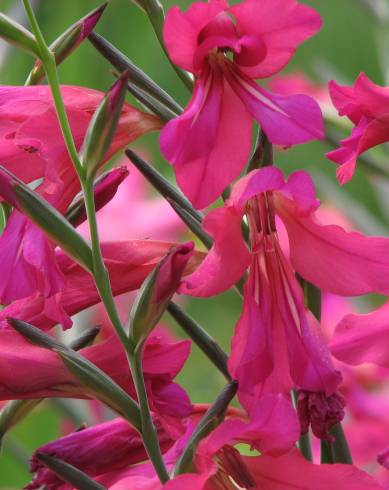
(219, 465)
(32, 147)
(210, 142)
(367, 106)
(277, 344)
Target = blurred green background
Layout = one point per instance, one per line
(348, 43)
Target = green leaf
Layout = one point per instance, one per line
(17, 35)
(48, 219)
(137, 78)
(92, 377)
(68, 473)
(162, 185)
(210, 420)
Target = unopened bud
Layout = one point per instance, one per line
(102, 126)
(104, 190)
(156, 292)
(67, 42)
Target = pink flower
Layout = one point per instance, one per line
(359, 338)
(28, 371)
(129, 262)
(210, 142)
(365, 104)
(96, 450)
(277, 344)
(32, 147)
(219, 465)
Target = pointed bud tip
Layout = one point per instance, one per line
(118, 89)
(91, 20)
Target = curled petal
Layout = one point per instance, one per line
(212, 276)
(359, 338)
(340, 262)
(281, 24)
(273, 428)
(286, 120)
(364, 98)
(182, 29)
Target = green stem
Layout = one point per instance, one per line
(148, 432)
(49, 64)
(100, 272)
(201, 338)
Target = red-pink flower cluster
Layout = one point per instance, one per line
(294, 379)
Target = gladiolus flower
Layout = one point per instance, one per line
(366, 105)
(32, 148)
(210, 142)
(219, 465)
(277, 344)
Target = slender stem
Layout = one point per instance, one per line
(48, 61)
(149, 433)
(101, 275)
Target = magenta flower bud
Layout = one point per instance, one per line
(104, 190)
(67, 42)
(156, 292)
(96, 450)
(321, 412)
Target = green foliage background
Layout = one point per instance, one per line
(347, 44)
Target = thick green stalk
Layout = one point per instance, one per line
(148, 432)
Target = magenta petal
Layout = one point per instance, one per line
(209, 143)
(282, 25)
(273, 428)
(361, 338)
(181, 30)
(340, 262)
(364, 98)
(212, 276)
(286, 120)
(293, 472)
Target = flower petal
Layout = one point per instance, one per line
(181, 30)
(227, 260)
(209, 143)
(340, 262)
(292, 471)
(281, 24)
(286, 120)
(360, 338)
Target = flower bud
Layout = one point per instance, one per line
(17, 35)
(156, 292)
(67, 42)
(102, 126)
(104, 190)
